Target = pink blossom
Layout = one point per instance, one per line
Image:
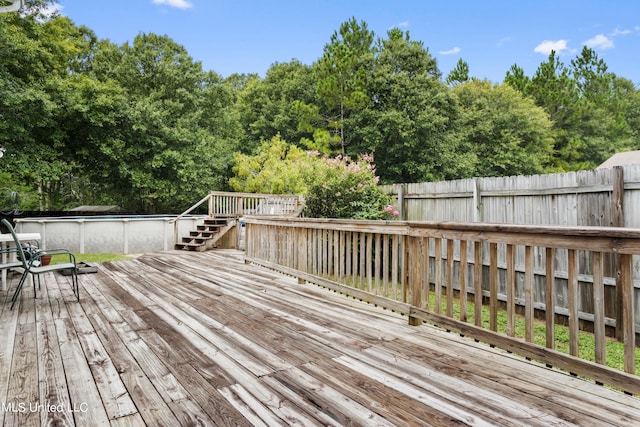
(395, 214)
(389, 208)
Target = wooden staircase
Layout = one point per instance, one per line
(206, 235)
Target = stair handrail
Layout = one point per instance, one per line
(187, 212)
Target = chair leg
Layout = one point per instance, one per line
(18, 289)
(75, 284)
(33, 277)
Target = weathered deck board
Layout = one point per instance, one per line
(51, 375)
(177, 338)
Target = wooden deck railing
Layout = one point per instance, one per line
(239, 204)
(234, 205)
(422, 269)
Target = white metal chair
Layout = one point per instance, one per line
(30, 263)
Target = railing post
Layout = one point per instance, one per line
(617, 220)
(416, 248)
(175, 232)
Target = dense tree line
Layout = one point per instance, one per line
(142, 125)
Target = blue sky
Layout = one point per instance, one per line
(248, 36)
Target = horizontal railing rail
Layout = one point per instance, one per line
(463, 277)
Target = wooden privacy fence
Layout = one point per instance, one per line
(443, 272)
(602, 197)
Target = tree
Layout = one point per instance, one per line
(506, 132)
(518, 79)
(341, 76)
(179, 139)
(459, 75)
(626, 107)
(591, 78)
(276, 168)
(585, 106)
(410, 124)
(38, 54)
(267, 107)
(597, 121)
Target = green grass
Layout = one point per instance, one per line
(586, 340)
(95, 258)
(614, 348)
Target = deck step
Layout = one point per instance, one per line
(205, 236)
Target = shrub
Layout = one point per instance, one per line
(347, 189)
(337, 187)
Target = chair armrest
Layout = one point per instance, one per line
(56, 251)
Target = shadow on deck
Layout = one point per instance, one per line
(177, 338)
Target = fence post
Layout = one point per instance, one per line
(477, 202)
(401, 202)
(81, 223)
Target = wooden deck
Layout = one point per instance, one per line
(184, 338)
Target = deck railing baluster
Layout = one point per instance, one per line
(528, 293)
(550, 295)
(628, 323)
(477, 282)
(573, 302)
(493, 286)
(449, 282)
(598, 309)
(463, 280)
(511, 291)
(438, 278)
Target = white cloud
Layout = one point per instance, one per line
(503, 41)
(180, 4)
(548, 45)
(48, 12)
(403, 24)
(450, 51)
(52, 9)
(618, 32)
(599, 42)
